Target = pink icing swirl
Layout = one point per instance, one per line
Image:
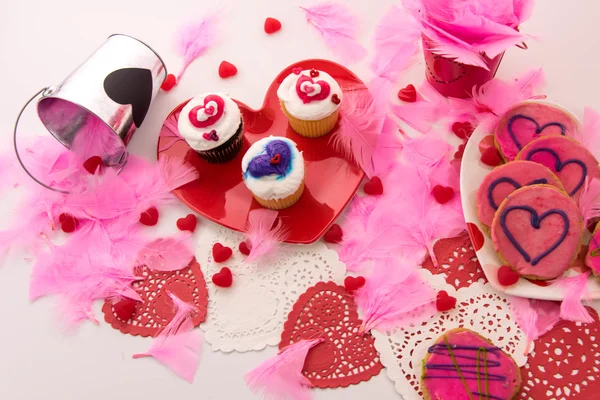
(309, 90)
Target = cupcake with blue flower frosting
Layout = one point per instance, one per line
(273, 170)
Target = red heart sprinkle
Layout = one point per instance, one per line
(188, 223)
(442, 194)
(408, 94)
(68, 223)
(223, 278)
(374, 186)
(149, 217)
(227, 69)
(168, 83)
(124, 309)
(463, 129)
(272, 25)
(335, 99)
(354, 283)
(334, 234)
(444, 302)
(491, 157)
(275, 160)
(93, 164)
(297, 70)
(507, 276)
(244, 248)
(314, 73)
(221, 253)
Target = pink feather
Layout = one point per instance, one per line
(183, 311)
(426, 112)
(425, 151)
(338, 27)
(387, 149)
(394, 296)
(534, 317)
(179, 351)
(195, 39)
(523, 9)
(95, 139)
(262, 236)
(168, 254)
(396, 43)
(359, 128)
(589, 200)
(280, 377)
(590, 132)
(574, 288)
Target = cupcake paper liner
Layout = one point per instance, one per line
(312, 129)
(279, 204)
(226, 151)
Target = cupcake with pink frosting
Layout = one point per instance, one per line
(212, 125)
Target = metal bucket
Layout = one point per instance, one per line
(111, 91)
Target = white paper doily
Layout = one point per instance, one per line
(250, 314)
(479, 308)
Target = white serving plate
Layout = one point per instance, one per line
(472, 173)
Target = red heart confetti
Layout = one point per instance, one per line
(354, 283)
(169, 82)
(68, 223)
(149, 217)
(124, 309)
(374, 187)
(93, 164)
(476, 236)
(460, 151)
(244, 248)
(188, 223)
(227, 69)
(408, 94)
(345, 357)
(486, 142)
(335, 99)
(221, 253)
(491, 157)
(272, 25)
(156, 308)
(334, 234)
(223, 278)
(442, 194)
(507, 276)
(444, 302)
(463, 130)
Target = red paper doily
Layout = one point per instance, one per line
(565, 363)
(346, 357)
(457, 261)
(156, 309)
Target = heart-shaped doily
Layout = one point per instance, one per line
(156, 310)
(457, 261)
(564, 364)
(346, 357)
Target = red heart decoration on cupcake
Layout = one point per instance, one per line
(444, 302)
(309, 90)
(156, 309)
(345, 357)
(352, 283)
(223, 278)
(93, 164)
(149, 217)
(221, 253)
(374, 187)
(334, 234)
(244, 248)
(188, 223)
(507, 276)
(208, 113)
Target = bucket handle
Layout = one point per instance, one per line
(41, 91)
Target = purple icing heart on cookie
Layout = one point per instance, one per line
(275, 160)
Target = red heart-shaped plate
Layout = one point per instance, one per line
(220, 194)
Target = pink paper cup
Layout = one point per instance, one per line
(454, 79)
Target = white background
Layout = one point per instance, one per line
(42, 41)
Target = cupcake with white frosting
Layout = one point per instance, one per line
(212, 125)
(311, 101)
(273, 170)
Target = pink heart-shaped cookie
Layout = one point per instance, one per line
(345, 357)
(309, 90)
